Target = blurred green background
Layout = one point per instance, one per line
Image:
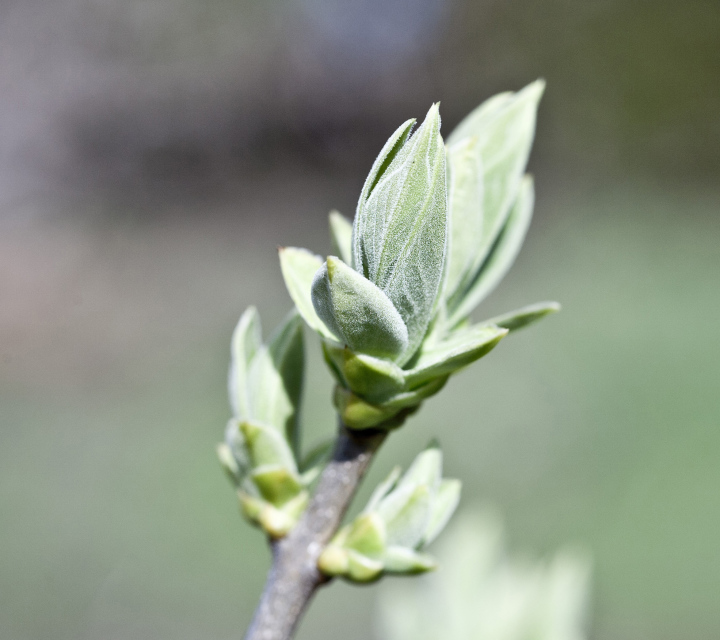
(153, 155)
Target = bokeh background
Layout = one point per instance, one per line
(154, 153)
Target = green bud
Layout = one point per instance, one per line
(403, 515)
(371, 378)
(354, 309)
(334, 561)
(276, 484)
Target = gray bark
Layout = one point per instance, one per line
(294, 576)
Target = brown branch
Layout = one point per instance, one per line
(294, 576)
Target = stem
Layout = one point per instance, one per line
(294, 576)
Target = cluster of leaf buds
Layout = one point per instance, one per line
(262, 440)
(436, 228)
(402, 516)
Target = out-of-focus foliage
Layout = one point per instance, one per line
(481, 592)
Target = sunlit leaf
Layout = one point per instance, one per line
(505, 131)
(460, 349)
(502, 254)
(401, 229)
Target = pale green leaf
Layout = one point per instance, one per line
(275, 380)
(417, 395)
(367, 535)
(246, 340)
(287, 350)
(460, 349)
(505, 134)
(299, 266)
(478, 119)
(357, 311)
(520, 318)
(406, 526)
(444, 503)
(401, 231)
(235, 441)
(387, 154)
(383, 489)
(407, 561)
(341, 235)
(465, 202)
(502, 255)
(426, 469)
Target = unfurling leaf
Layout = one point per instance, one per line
(502, 255)
(503, 128)
(400, 228)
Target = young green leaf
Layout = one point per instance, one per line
(275, 380)
(341, 234)
(460, 349)
(520, 318)
(299, 267)
(465, 203)
(383, 489)
(402, 229)
(407, 561)
(445, 502)
(505, 133)
(502, 255)
(367, 535)
(387, 154)
(246, 340)
(406, 526)
(357, 311)
(426, 469)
